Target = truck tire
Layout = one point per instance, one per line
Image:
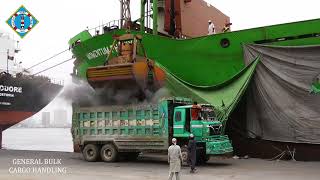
(185, 159)
(109, 153)
(91, 152)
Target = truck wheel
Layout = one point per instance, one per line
(109, 153)
(185, 159)
(91, 152)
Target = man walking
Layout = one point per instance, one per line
(174, 159)
(192, 153)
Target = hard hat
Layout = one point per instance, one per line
(209, 21)
(191, 135)
(174, 140)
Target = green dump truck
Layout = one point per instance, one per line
(109, 132)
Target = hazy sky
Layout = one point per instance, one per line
(60, 20)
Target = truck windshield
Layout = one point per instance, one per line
(207, 114)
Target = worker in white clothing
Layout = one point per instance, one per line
(174, 159)
(211, 29)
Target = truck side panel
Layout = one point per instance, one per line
(130, 128)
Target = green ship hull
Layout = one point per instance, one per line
(209, 69)
(201, 61)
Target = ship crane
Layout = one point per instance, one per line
(146, 11)
(125, 14)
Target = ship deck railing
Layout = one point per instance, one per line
(119, 23)
(106, 27)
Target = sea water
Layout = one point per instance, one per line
(42, 139)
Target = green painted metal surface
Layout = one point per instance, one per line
(83, 36)
(219, 145)
(132, 121)
(201, 67)
(224, 98)
(204, 130)
(202, 61)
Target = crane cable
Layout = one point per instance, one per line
(47, 59)
(52, 66)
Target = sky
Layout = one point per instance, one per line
(60, 20)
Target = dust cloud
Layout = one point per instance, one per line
(82, 94)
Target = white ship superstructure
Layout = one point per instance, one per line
(8, 49)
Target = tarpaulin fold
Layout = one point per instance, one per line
(282, 104)
(224, 97)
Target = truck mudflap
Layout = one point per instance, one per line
(218, 146)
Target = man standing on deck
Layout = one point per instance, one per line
(211, 29)
(174, 159)
(226, 27)
(192, 153)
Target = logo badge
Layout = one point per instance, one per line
(22, 21)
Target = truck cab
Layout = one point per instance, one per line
(206, 130)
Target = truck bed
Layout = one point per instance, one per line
(130, 128)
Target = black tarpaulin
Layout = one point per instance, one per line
(281, 105)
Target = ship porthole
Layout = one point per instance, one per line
(225, 43)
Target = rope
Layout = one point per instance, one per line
(52, 66)
(48, 59)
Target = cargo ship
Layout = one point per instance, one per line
(211, 68)
(21, 94)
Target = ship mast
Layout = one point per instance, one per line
(125, 14)
(146, 9)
